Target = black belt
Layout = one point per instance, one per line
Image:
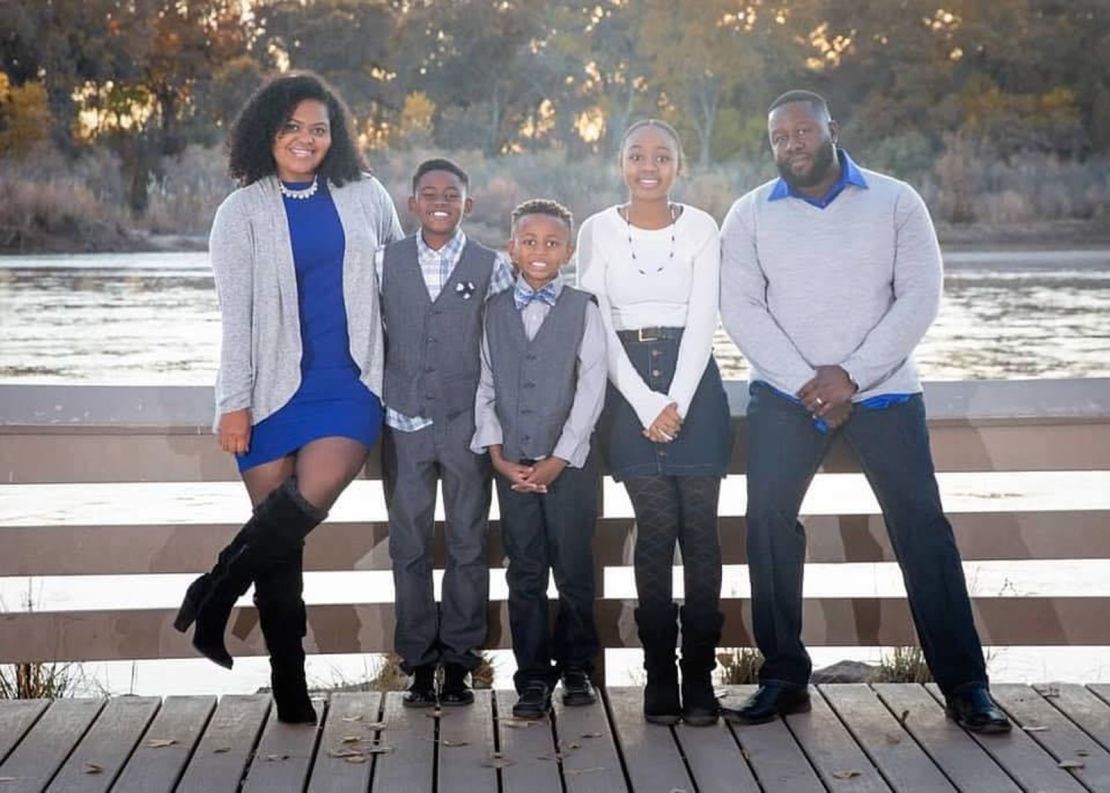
(650, 334)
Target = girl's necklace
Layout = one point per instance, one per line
(632, 248)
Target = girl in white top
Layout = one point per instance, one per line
(653, 265)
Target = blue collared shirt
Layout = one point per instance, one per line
(850, 174)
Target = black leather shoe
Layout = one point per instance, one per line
(577, 688)
(455, 691)
(768, 703)
(421, 692)
(534, 701)
(974, 710)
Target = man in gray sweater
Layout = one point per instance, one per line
(830, 276)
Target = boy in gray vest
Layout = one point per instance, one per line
(434, 285)
(540, 395)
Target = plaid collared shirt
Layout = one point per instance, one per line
(436, 267)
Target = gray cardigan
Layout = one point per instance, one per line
(256, 284)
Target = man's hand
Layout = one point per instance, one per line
(666, 426)
(838, 416)
(234, 431)
(516, 473)
(829, 388)
(544, 473)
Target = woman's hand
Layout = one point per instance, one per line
(234, 431)
(666, 426)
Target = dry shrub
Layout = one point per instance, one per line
(903, 665)
(739, 666)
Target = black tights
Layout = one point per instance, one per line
(682, 509)
(323, 467)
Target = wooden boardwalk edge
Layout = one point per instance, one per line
(858, 737)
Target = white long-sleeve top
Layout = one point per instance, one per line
(654, 289)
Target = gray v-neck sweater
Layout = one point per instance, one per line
(256, 283)
(856, 284)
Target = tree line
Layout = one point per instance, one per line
(146, 78)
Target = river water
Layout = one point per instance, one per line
(152, 319)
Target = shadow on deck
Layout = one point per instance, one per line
(891, 737)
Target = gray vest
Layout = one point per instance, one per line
(432, 356)
(535, 380)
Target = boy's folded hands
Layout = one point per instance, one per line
(527, 478)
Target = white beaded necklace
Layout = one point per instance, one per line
(303, 193)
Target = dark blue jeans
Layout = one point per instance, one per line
(785, 450)
(551, 533)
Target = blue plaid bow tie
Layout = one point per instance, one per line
(523, 295)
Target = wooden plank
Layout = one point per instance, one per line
(1063, 740)
(227, 744)
(902, 763)
(368, 627)
(714, 759)
(1082, 706)
(44, 747)
(651, 755)
(529, 749)
(1021, 757)
(958, 756)
(16, 717)
(159, 760)
(411, 732)
(595, 766)
(102, 753)
(833, 752)
(777, 760)
(465, 759)
(189, 548)
(284, 755)
(350, 715)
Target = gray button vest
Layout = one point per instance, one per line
(535, 380)
(432, 357)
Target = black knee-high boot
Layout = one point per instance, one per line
(701, 630)
(278, 525)
(278, 590)
(658, 629)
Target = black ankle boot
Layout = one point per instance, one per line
(278, 525)
(700, 634)
(281, 613)
(658, 629)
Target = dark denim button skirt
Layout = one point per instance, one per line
(704, 446)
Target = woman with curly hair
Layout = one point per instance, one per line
(297, 394)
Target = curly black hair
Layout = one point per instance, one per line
(250, 142)
(542, 206)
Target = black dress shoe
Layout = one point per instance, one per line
(974, 710)
(534, 701)
(577, 688)
(768, 703)
(455, 691)
(421, 692)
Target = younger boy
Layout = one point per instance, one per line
(540, 395)
(434, 286)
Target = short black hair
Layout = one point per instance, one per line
(250, 143)
(543, 206)
(440, 164)
(658, 124)
(815, 100)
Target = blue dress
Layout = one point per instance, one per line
(331, 400)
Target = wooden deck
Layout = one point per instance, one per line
(858, 738)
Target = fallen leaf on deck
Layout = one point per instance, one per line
(1034, 728)
(1082, 752)
(354, 758)
(517, 724)
(849, 774)
(161, 743)
(1071, 764)
(892, 739)
(344, 753)
(445, 742)
(379, 748)
(93, 768)
(592, 734)
(350, 739)
(9, 779)
(1049, 692)
(903, 716)
(357, 717)
(270, 758)
(375, 725)
(497, 761)
(221, 749)
(574, 745)
(576, 771)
